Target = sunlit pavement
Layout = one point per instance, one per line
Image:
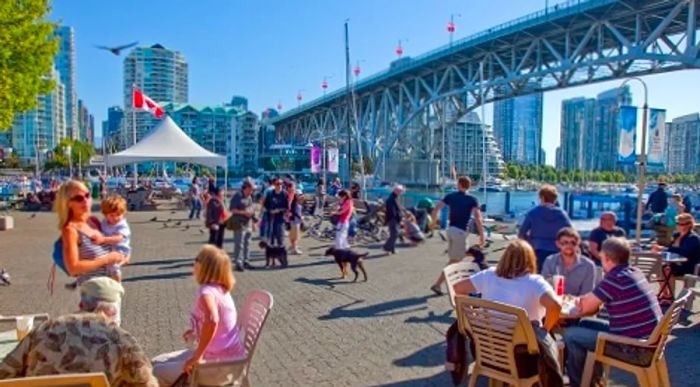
(322, 330)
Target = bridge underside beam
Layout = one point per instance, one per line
(405, 116)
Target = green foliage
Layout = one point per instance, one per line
(11, 161)
(549, 174)
(27, 48)
(368, 163)
(80, 153)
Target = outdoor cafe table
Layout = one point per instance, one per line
(666, 296)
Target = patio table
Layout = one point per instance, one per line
(666, 296)
(8, 342)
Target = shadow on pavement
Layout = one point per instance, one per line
(430, 356)
(439, 379)
(156, 277)
(389, 308)
(162, 262)
(445, 318)
(330, 283)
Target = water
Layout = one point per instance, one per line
(520, 201)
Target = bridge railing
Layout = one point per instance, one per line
(563, 9)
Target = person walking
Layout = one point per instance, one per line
(215, 218)
(542, 224)
(658, 200)
(462, 207)
(275, 204)
(393, 218)
(242, 211)
(195, 194)
(320, 196)
(294, 200)
(344, 213)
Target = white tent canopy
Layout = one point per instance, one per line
(166, 142)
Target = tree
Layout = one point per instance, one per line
(26, 56)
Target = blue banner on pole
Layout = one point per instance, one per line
(657, 134)
(626, 150)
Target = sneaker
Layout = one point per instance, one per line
(72, 285)
(298, 252)
(436, 289)
(248, 266)
(239, 267)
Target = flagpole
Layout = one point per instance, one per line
(133, 134)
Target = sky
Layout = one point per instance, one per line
(268, 51)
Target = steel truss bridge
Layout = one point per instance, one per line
(406, 109)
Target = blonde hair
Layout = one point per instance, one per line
(548, 193)
(113, 204)
(215, 268)
(677, 197)
(518, 259)
(63, 196)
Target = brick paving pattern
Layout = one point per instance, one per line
(322, 330)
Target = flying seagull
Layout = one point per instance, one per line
(117, 50)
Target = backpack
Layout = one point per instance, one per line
(456, 354)
(58, 255)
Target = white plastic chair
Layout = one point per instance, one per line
(457, 272)
(68, 380)
(251, 319)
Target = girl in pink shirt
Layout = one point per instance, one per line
(213, 323)
(344, 214)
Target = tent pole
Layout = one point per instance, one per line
(225, 181)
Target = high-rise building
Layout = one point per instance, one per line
(65, 64)
(465, 148)
(86, 123)
(683, 144)
(604, 144)
(159, 73)
(517, 126)
(224, 129)
(577, 123)
(111, 128)
(38, 131)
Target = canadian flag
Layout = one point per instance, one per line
(142, 102)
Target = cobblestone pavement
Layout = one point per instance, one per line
(322, 330)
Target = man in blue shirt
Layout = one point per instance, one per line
(462, 206)
(542, 224)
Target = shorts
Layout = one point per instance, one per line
(456, 244)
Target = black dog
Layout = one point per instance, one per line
(478, 256)
(274, 252)
(343, 257)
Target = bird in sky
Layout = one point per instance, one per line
(117, 50)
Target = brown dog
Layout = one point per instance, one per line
(343, 257)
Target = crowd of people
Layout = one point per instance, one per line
(598, 274)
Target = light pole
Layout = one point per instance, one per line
(642, 156)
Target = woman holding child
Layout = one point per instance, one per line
(83, 257)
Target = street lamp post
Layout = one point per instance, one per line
(642, 157)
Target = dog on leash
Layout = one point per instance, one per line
(345, 257)
(273, 253)
(479, 257)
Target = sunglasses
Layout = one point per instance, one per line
(568, 243)
(81, 198)
(684, 224)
